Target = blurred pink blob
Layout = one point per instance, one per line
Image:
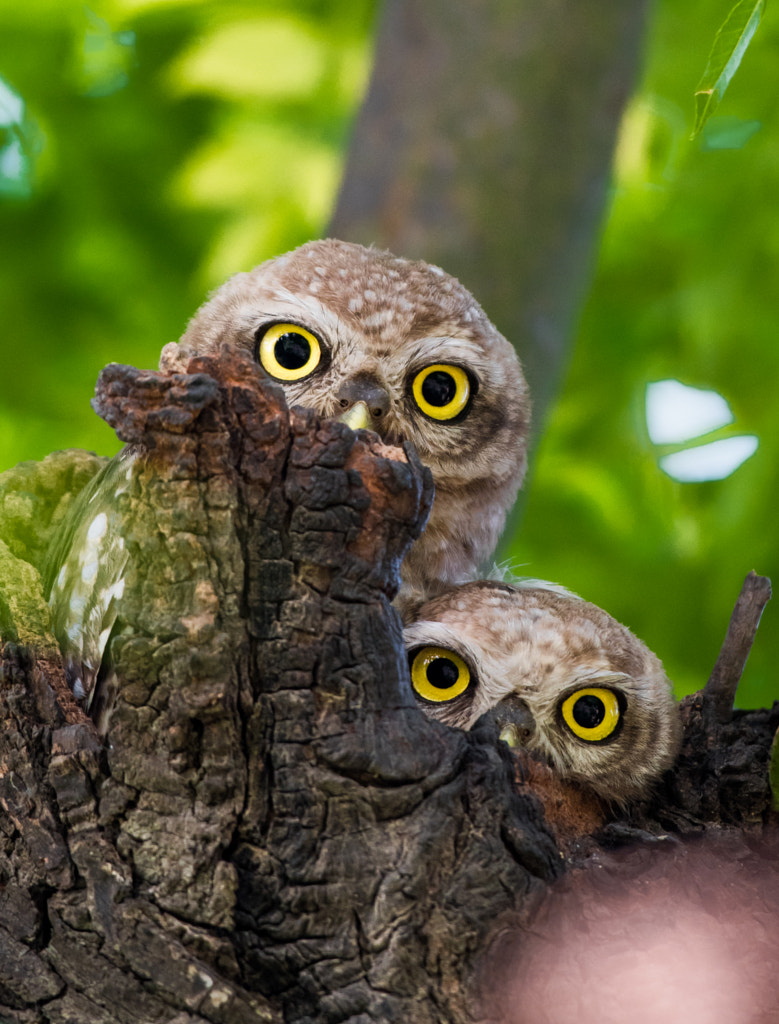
(686, 934)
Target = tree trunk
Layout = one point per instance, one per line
(272, 831)
(485, 145)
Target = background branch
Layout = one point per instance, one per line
(720, 690)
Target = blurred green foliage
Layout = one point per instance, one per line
(149, 148)
(685, 288)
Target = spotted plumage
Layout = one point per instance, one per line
(557, 676)
(84, 575)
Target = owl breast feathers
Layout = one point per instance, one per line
(557, 676)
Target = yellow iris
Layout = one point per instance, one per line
(439, 675)
(289, 352)
(441, 391)
(591, 714)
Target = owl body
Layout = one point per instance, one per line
(84, 575)
(382, 343)
(557, 675)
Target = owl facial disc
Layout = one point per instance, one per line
(557, 676)
(401, 348)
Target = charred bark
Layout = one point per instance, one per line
(272, 830)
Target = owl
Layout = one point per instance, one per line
(557, 675)
(381, 343)
(401, 348)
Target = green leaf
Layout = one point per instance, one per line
(729, 47)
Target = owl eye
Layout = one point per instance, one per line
(439, 675)
(591, 714)
(442, 391)
(289, 352)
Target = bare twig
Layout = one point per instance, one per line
(721, 687)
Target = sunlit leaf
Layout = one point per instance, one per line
(14, 170)
(105, 58)
(252, 161)
(21, 142)
(729, 47)
(258, 172)
(269, 57)
(648, 143)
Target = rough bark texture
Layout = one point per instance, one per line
(273, 831)
(485, 145)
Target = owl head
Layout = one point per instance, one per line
(556, 674)
(398, 347)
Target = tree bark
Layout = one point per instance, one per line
(272, 831)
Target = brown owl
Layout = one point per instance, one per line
(382, 343)
(556, 674)
(401, 348)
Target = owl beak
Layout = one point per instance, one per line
(514, 720)
(512, 735)
(358, 417)
(365, 402)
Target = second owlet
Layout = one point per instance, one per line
(388, 344)
(556, 674)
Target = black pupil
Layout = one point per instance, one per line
(589, 711)
(292, 350)
(439, 388)
(442, 673)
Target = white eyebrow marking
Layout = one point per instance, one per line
(443, 348)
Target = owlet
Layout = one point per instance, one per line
(556, 674)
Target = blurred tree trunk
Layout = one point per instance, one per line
(485, 145)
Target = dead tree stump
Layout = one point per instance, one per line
(272, 830)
